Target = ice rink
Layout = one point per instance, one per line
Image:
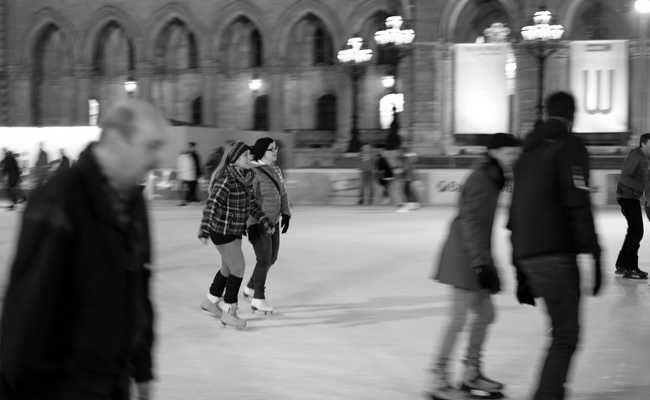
(358, 317)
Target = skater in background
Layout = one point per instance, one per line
(63, 162)
(193, 184)
(271, 194)
(77, 318)
(552, 231)
(231, 200)
(632, 184)
(10, 171)
(467, 265)
(385, 176)
(186, 174)
(367, 171)
(41, 167)
(407, 161)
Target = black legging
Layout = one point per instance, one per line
(628, 257)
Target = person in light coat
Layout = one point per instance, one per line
(186, 171)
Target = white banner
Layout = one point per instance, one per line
(481, 91)
(600, 83)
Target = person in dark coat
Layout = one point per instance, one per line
(11, 172)
(192, 185)
(41, 167)
(467, 265)
(631, 186)
(367, 172)
(552, 223)
(385, 175)
(77, 319)
(64, 161)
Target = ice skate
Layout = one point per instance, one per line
(248, 292)
(231, 318)
(479, 386)
(211, 308)
(441, 389)
(619, 270)
(261, 305)
(635, 274)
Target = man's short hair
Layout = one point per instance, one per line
(121, 119)
(644, 138)
(561, 104)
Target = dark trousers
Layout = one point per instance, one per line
(628, 257)
(367, 188)
(190, 191)
(409, 195)
(266, 252)
(556, 279)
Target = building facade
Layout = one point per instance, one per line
(196, 59)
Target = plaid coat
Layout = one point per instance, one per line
(228, 207)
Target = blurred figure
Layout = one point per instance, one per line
(231, 200)
(41, 167)
(271, 194)
(64, 161)
(466, 264)
(213, 161)
(631, 186)
(196, 159)
(552, 231)
(77, 320)
(10, 171)
(187, 175)
(385, 176)
(367, 170)
(407, 159)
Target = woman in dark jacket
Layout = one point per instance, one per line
(467, 265)
(231, 201)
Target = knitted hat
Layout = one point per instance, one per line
(499, 140)
(236, 150)
(260, 147)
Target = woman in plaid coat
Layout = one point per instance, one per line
(231, 201)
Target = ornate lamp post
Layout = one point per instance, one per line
(643, 8)
(541, 40)
(397, 42)
(354, 58)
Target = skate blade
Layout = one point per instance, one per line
(481, 394)
(254, 310)
(636, 277)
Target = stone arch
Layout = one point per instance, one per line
(163, 17)
(231, 13)
(175, 29)
(46, 18)
(240, 44)
(304, 42)
(103, 17)
(451, 15)
(614, 26)
(295, 13)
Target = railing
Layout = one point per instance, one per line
(313, 138)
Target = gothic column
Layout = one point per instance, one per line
(4, 83)
(20, 86)
(210, 95)
(526, 90)
(276, 71)
(427, 101)
(82, 80)
(144, 75)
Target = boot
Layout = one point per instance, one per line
(261, 305)
(231, 318)
(248, 292)
(474, 380)
(211, 308)
(441, 388)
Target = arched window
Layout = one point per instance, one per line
(176, 47)
(256, 49)
(114, 52)
(47, 105)
(261, 113)
(326, 113)
(323, 47)
(197, 111)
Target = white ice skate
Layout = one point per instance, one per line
(479, 386)
(441, 388)
(261, 305)
(248, 292)
(211, 308)
(231, 318)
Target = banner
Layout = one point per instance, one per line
(600, 83)
(480, 88)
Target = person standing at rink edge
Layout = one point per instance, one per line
(467, 265)
(77, 320)
(632, 184)
(271, 194)
(553, 232)
(231, 200)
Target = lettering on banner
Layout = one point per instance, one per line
(448, 186)
(599, 107)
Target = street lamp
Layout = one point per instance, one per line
(130, 86)
(255, 84)
(643, 8)
(397, 42)
(354, 58)
(388, 81)
(541, 40)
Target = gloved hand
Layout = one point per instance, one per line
(253, 233)
(488, 278)
(598, 274)
(285, 222)
(524, 292)
(266, 227)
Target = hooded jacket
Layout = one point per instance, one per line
(551, 212)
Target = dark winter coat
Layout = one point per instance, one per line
(10, 169)
(77, 313)
(469, 240)
(634, 175)
(197, 163)
(550, 212)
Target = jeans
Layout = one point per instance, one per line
(409, 195)
(628, 257)
(367, 188)
(462, 302)
(266, 252)
(556, 279)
